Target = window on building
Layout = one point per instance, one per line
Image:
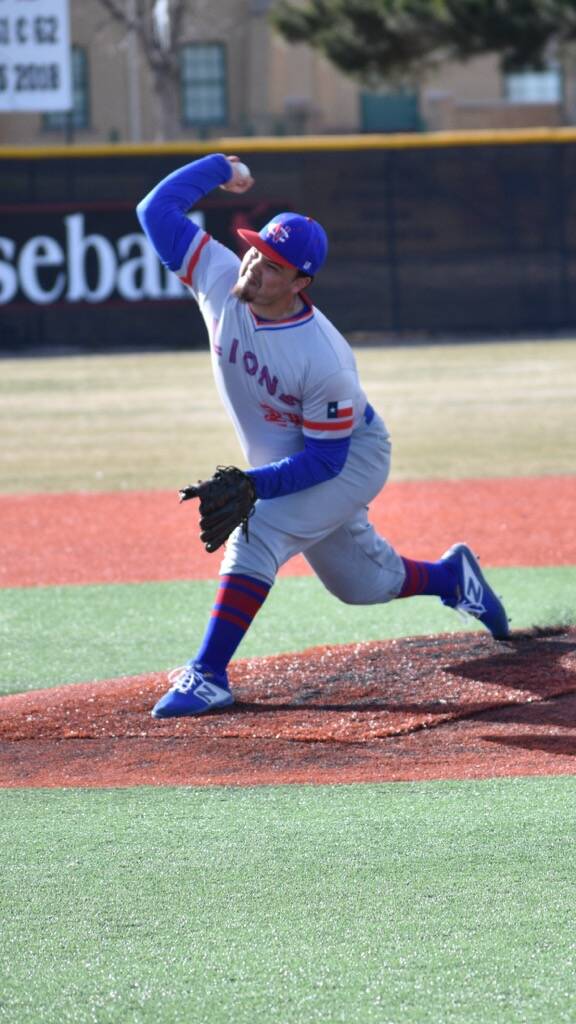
(534, 86)
(203, 80)
(78, 117)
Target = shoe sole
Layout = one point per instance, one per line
(193, 713)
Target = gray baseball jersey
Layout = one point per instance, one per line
(279, 380)
(282, 381)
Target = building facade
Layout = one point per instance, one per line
(237, 77)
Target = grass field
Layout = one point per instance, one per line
(397, 904)
(55, 635)
(146, 421)
(431, 903)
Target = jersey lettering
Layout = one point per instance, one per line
(270, 382)
(251, 365)
(272, 415)
(281, 418)
(276, 411)
(250, 361)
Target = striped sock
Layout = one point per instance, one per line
(435, 578)
(237, 601)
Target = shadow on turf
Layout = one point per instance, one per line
(561, 746)
(529, 660)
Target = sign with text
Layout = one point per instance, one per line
(35, 73)
(75, 256)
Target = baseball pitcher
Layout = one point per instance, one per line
(317, 453)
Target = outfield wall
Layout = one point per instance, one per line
(455, 233)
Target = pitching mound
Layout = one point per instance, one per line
(458, 706)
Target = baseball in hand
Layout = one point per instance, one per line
(241, 179)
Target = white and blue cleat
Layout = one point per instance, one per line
(194, 691)
(474, 595)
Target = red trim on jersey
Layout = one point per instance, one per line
(330, 425)
(187, 277)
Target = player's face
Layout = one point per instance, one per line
(267, 285)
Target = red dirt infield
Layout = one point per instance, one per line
(456, 707)
(452, 706)
(133, 537)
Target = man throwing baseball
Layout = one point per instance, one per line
(317, 451)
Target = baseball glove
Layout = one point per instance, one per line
(226, 501)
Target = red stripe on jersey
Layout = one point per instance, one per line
(330, 425)
(187, 277)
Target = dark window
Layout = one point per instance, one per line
(203, 79)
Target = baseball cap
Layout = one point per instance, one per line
(292, 241)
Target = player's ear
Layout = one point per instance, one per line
(302, 281)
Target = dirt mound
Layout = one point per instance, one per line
(451, 706)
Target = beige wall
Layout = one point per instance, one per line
(305, 88)
(274, 88)
(477, 80)
(469, 96)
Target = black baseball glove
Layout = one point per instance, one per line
(226, 501)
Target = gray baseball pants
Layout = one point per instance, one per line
(329, 525)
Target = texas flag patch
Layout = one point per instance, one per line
(339, 410)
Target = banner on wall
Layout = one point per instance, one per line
(471, 238)
(80, 256)
(65, 254)
(35, 71)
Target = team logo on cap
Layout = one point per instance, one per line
(278, 233)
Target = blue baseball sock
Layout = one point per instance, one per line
(435, 578)
(237, 601)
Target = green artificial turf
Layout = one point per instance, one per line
(55, 635)
(405, 903)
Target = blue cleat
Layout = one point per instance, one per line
(194, 691)
(474, 596)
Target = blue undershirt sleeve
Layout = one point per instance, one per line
(320, 461)
(162, 213)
